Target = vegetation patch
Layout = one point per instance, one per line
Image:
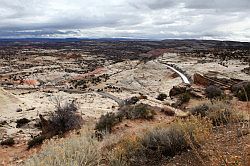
(162, 96)
(242, 91)
(159, 142)
(213, 92)
(21, 122)
(77, 150)
(132, 100)
(65, 119)
(8, 142)
(107, 121)
(185, 97)
(220, 112)
(38, 140)
(139, 111)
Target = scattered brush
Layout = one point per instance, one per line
(132, 100)
(220, 112)
(8, 142)
(139, 111)
(38, 140)
(63, 120)
(163, 141)
(242, 91)
(185, 97)
(77, 150)
(106, 122)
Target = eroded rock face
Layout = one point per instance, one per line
(215, 78)
(179, 89)
(200, 79)
(197, 93)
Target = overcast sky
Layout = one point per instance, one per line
(153, 19)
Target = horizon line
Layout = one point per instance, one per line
(116, 38)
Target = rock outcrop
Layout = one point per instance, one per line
(179, 89)
(206, 80)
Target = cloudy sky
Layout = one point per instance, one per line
(153, 19)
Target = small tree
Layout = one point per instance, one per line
(65, 118)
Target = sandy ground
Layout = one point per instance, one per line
(132, 77)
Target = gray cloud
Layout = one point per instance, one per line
(36, 33)
(154, 4)
(227, 5)
(157, 19)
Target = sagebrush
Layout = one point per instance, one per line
(80, 150)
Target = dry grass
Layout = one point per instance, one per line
(219, 111)
(211, 144)
(230, 131)
(139, 111)
(160, 142)
(106, 122)
(76, 150)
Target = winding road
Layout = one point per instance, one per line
(183, 77)
(120, 102)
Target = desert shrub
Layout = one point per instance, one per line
(200, 110)
(126, 152)
(219, 117)
(21, 122)
(38, 140)
(77, 150)
(244, 93)
(62, 120)
(139, 111)
(162, 96)
(185, 97)
(177, 137)
(8, 142)
(150, 147)
(106, 122)
(65, 119)
(132, 100)
(220, 112)
(213, 92)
